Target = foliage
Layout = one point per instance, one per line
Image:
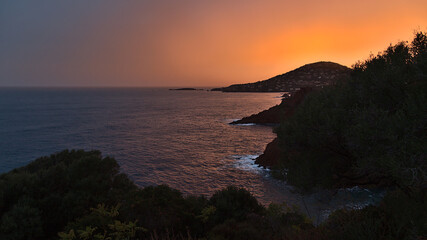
(164, 213)
(399, 216)
(368, 128)
(233, 203)
(103, 224)
(52, 191)
(163, 210)
(77, 195)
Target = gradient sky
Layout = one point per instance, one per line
(190, 43)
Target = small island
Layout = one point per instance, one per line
(185, 89)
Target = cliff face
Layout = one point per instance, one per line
(310, 75)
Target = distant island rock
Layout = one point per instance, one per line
(310, 75)
(185, 89)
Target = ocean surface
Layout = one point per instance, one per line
(179, 138)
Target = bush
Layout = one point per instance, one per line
(399, 216)
(57, 189)
(365, 129)
(233, 203)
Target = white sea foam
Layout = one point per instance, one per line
(231, 119)
(245, 124)
(247, 163)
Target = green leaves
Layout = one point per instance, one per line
(101, 223)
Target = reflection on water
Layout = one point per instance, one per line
(179, 138)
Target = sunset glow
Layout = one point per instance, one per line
(191, 43)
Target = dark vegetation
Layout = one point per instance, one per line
(81, 195)
(371, 127)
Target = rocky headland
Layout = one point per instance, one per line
(272, 154)
(274, 115)
(298, 84)
(311, 75)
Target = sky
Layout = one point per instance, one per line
(106, 43)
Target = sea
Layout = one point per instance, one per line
(158, 136)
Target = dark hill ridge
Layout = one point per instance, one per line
(310, 75)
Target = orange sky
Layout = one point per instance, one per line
(191, 43)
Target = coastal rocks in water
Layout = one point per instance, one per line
(311, 75)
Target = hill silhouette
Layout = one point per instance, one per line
(310, 75)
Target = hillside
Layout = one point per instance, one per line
(310, 75)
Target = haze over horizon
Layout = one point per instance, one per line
(190, 43)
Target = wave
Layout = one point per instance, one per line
(245, 124)
(247, 163)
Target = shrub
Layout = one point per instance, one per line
(233, 203)
(369, 126)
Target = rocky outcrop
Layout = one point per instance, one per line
(271, 155)
(310, 75)
(272, 152)
(270, 116)
(297, 84)
(276, 114)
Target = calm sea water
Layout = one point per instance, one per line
(179, 138)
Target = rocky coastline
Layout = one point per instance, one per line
(296, 84)
(272, 154)
(273, 116)
(297, 91)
